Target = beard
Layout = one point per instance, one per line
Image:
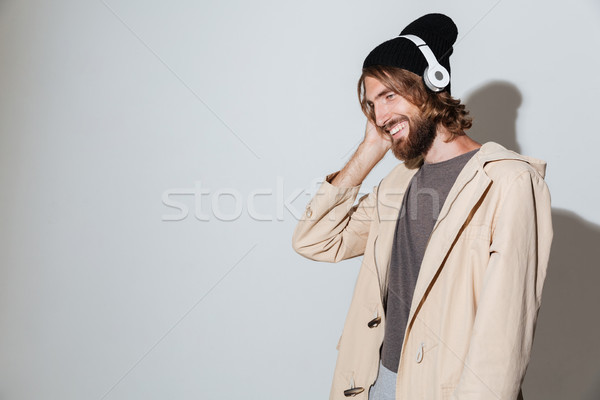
(421, 133)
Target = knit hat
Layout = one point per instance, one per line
(438, 31)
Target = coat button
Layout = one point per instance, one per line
(374, 322)
(308, 212)
(420, 353)
(353, 391)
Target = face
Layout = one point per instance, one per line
(412, 135)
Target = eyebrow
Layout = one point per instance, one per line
(381, 94)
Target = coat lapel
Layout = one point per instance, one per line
(468, 189)
(389, 203)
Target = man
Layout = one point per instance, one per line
(455, 239)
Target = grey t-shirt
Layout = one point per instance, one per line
(421, 206)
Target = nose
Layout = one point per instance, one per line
(382, 114)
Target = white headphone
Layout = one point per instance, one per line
(436, 77)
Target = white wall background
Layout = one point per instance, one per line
(105, 106)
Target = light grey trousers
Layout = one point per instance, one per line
(385, 385)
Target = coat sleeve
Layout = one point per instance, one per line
(508, 306)
(332, 228)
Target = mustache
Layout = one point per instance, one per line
(394, 121)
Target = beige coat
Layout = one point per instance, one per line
(478, 293)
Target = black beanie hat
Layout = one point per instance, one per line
(437, 30)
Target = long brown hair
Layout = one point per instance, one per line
(440, 107)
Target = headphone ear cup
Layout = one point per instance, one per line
(437, 78)
(431, 85)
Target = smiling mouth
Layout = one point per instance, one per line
(397, 129)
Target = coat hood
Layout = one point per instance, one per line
(492, 151)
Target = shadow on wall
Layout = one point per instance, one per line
(565, 363)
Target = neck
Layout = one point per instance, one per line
(441, 150)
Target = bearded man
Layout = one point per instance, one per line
(456, 238)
